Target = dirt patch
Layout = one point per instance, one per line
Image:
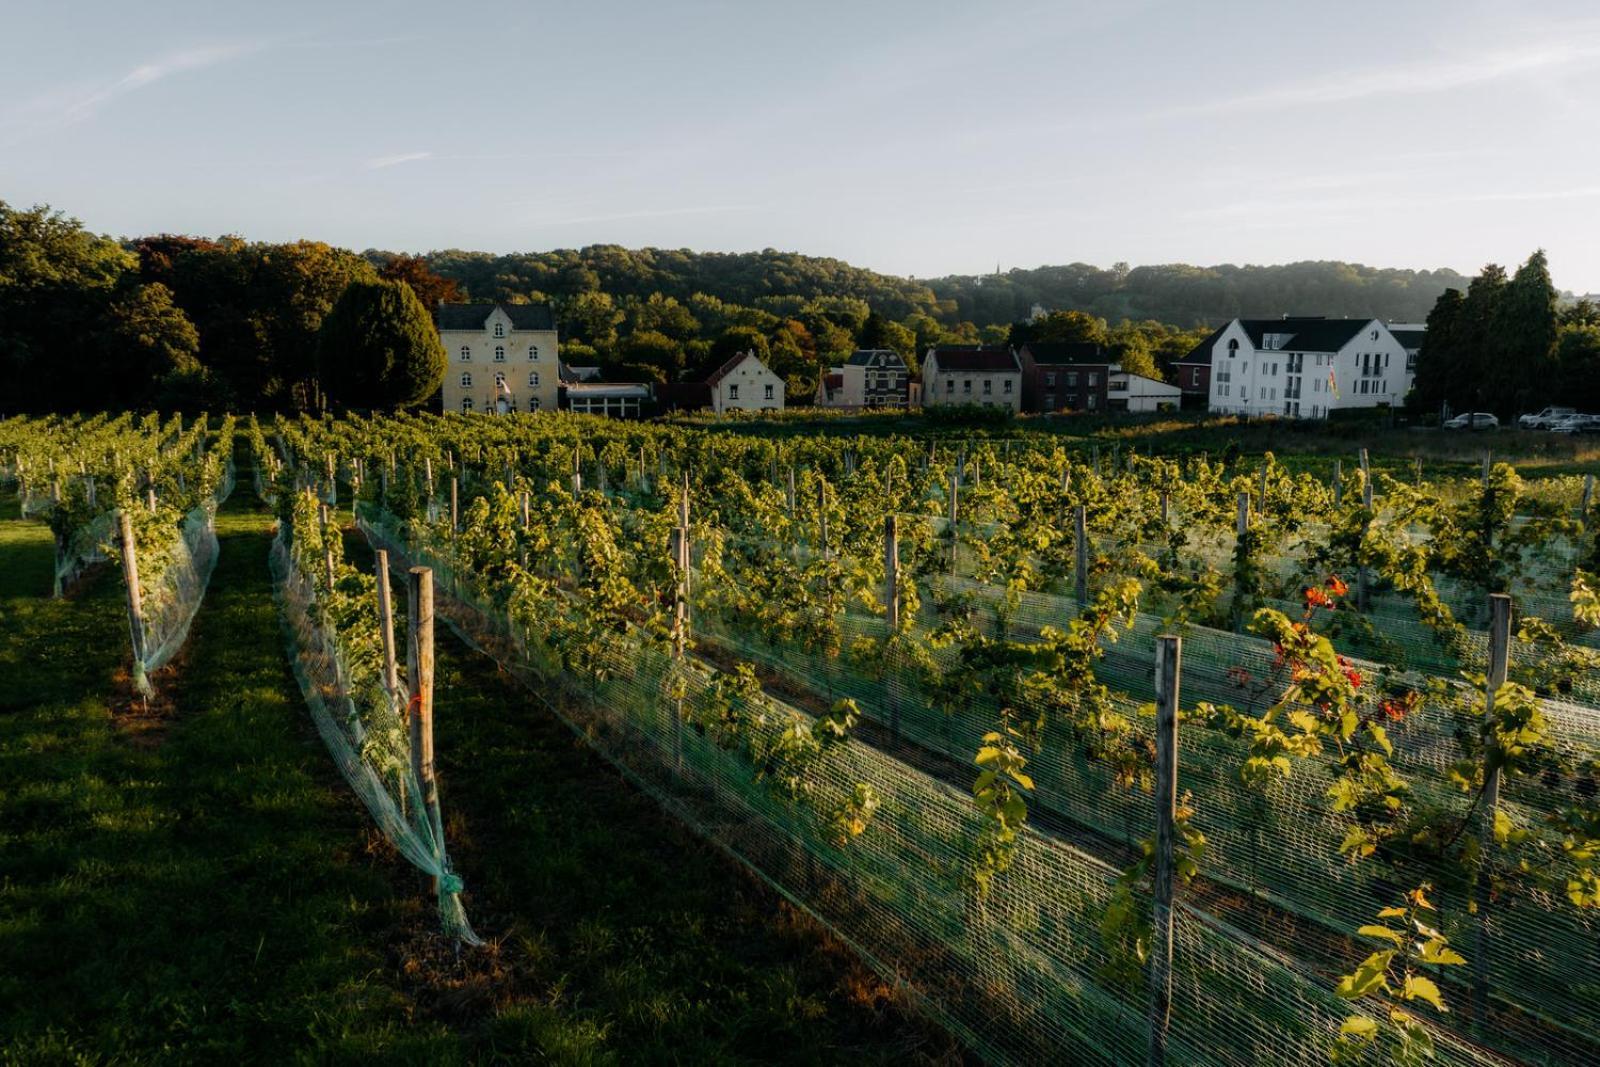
(145, 722)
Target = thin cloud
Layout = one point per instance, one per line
(576, 220)
(380, 162)
(1420, 79)
(150, 73)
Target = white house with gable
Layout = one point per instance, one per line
(744, 383)
(1306, 367)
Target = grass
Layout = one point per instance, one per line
(203, 887)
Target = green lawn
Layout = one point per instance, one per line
(203, 887)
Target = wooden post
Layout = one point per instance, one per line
(788, 495)
(391, 667)
(1338, 482)
(150, 499)
(891, 600)
(327, 547)
(455, 504)
(130, 579)
(955, 516)
(1486, 453)
(1583, 507)
(1169, 658)
(1499, 656)
(680, 629)
(526, 519)
(822, 514)
(1366, 468)
(1241, 528)
(1366, 525)
(1080, 538)
(419, 667)
(1261, 495)
(1166, 508)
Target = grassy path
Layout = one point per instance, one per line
(630, 940)
(198, 892)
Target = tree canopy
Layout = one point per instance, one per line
(377, 348)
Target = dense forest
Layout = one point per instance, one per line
(87, 321)
(1508, 344)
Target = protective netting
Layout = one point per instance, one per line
(361, 722)
(876, 843)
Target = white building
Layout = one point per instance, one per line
(617, 400)
(1307, 367)
(744, 383)
(1127, 391)
(988, 377)
(870, 378)
(501, 357)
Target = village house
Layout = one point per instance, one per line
(1064, 376)
(1135, 393)
(501, 357)
(988, 377)
(744, 383)
(870, 378)
(1304, 367)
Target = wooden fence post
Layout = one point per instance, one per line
(130, 579)
(391, 667)
(1166, 508)
(1499, 658)
(1486, 457)
(455, 504)
(891, 600)
(327, 547)
(1169, 657)
(419, 666)
(1366, 526)
(1080, 538)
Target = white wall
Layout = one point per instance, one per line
(745, 388)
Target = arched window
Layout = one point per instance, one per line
(466, 404)
(533, 403)
(1233, 348)
(466, 353)
(533, 351)
(499, 379)
(533, 379)
(499, 329)
(466, 380)
(499, 353)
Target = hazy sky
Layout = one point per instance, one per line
(920, 138)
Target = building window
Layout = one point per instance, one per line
(1008, 385)
(499, 329)
(768, 393)
(466, 404)
(1050, 380)
(1072, 378)
(1094, 399)
(1233, 348)
(1094, 380)
(988, 386)
(950, 385)
(499, 353)
(733, 392)
(966, 386)
(466, 380)
(533, 352)
(533, 379)
(466, 353)
(499, 379)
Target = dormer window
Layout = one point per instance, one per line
(499, 353)
(499, 329)
(466, 353)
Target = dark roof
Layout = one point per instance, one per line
(566, 374)
(1066, 352)
(473, 316)
(1201, 353)
(875, 357)
(1308, 334)
(997, 359)
(1409, 339)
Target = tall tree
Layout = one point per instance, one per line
(1522, 334)
(432, 289)
(378, 348)
(1438, 378)
(1476, 362)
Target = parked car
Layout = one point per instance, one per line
(1577, 424)
(1544, 420)
(1474, 420)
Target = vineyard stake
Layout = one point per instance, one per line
(327, 548)
(1080, 537)
(1166, 508)
(150, 499)
(1366, 526)
(891, 600)
(1366, 469)
(680, 630)
(1486, 455)
(419, 666)
(1499, 655)
(130, 579)
(1169, 657)
(1583, 508)
(1241, 529)
(822, 514)
(391, 668)
(955, 513)
(1338, 482)
(455, 510)
(1261, 495)
(788, 495)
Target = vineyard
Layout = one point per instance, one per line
(1095, 755)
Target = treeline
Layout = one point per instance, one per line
(184, 322)
(1509, 345)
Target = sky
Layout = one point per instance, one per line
(921, 139)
